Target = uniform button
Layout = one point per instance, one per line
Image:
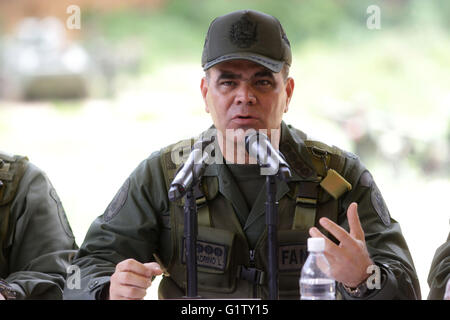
(93, 284)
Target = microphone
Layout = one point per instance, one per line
(191, 171)
(271, 160)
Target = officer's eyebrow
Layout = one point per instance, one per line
(263, 74)
(225, 74)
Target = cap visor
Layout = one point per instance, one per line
(272, 65)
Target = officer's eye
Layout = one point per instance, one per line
(263, 83)
(227, 83)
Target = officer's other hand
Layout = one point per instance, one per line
(2, 297)
(350, 259)
(131, 279)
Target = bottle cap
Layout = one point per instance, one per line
(316, 244)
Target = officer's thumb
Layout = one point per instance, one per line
(153, 268)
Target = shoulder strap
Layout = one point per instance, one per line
(329, 163)
(12, 169)
(311, 201)
(179, 152)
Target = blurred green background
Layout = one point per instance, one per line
(381, 93)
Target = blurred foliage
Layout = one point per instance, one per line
(400, 71)
(178, 27)
(391, 81)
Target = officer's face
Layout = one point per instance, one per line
(240, 94)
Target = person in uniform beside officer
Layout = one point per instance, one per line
(36, 240)
(439, 275)
(246, 59)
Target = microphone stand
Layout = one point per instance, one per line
(190, 178)
(272, 236)
(190, 236)
(265, 160)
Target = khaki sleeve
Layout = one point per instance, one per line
(128, 229)
(385, 242)
(439, 272)
(42, 243)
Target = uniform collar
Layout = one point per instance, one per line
(293, 147)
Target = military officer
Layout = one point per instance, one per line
(439, 276)
(36, 240)
(246, 59)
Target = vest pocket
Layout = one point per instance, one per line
(216, 271)
(292, 253)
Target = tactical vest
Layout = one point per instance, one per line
(12, 168)
(226, 266)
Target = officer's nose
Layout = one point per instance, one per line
(245, 95)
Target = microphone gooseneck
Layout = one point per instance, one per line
(191, 171)
(271, 160)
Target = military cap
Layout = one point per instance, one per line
(248, 35)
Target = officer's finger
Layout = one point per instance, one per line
(153, 268)
(337, 231)
(356, 230)
(134, 266)
(330, 247)
(131, 293)
(132, 279)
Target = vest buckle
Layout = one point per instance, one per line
(252, 275)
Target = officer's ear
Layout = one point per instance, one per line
(204, 90)
(290, 84)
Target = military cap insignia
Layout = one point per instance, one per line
(243, 33)
(117, 202)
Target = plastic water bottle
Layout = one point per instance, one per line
(315, 281)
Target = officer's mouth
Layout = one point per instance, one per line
(244, 119)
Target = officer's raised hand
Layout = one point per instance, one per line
(350, 259)
(131, 279)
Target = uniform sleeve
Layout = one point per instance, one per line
(385, 242)
(42, 243)
(127, 229)
(439, 272)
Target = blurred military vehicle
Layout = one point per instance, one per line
(38, 62)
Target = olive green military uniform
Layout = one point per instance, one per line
(232, 246)
(35, 237)
(439, 272)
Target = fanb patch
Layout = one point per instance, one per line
(209, 255)
(243, 33)
(117, 202)
(379, 205)
(291, 257)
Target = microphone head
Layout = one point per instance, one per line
(254, 137)
(284, 173)
(176, 191)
